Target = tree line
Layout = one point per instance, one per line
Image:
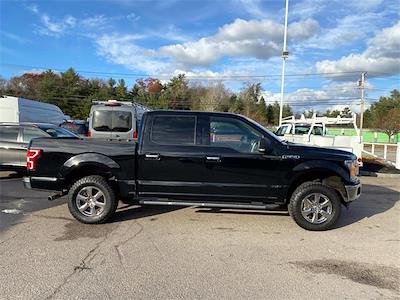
(74, 94)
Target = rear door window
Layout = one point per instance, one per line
(119, 121)
(102, 120)
(174, 130)
(9, 134)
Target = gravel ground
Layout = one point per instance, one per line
(159, 252)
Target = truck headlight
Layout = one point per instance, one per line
(352, 165)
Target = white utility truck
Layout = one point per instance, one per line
(313, 131)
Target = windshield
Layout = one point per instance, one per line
(120, 121)
(264, 130)
(282, 130)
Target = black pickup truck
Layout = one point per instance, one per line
(196, 159)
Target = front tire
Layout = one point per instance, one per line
(91, 200)
(315, 206)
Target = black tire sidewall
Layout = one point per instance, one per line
(307, 189)
(101, 184)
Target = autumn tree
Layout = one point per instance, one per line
(385, 114)
(216, 98)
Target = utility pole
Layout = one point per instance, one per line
(362, 86)
(285, 55)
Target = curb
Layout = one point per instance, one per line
(381, 175)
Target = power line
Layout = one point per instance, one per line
(188, 76)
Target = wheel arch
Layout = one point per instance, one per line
(88, 164)
(327, 173)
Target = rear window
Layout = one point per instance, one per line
(302, 129)
(119, 121)
(75, 128)
(174, 130)
(9, 134)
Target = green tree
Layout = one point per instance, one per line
(346, 113)
(176, 93)
(262, 111)
(121, 91)
(332, 113)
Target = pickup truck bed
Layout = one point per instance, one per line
(64, 161)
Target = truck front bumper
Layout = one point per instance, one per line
(353, 192)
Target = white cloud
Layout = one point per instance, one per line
(255, 38)
(55, 28)
(33, 8)
(307, 8)
(365, 5)
(101, 20)
(123, 50)
(14, 37)
(381, 55)
(94, 21)
(348, 29)
(332, 96)
(253, 7)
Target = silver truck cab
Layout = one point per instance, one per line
(115, 120)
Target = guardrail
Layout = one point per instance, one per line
(388, 152)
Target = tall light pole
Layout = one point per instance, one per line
(285, 55)
(362, 86)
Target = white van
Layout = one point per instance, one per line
(115, 120)
(16, 110)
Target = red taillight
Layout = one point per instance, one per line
(134, 135)
(31, 157)
(89, 133)
(360, 162)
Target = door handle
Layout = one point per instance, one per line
(152, 156)
(213, 159)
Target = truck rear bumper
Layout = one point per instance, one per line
(27, 182)
(353, 192)
(43, 183)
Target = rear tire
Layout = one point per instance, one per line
(91, 200)
(315, 206)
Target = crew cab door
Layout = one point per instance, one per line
(234, 167)
(170, 164)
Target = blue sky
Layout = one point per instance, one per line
(235, 41)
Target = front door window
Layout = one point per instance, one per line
(234, 134)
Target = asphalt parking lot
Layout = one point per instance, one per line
(185, 253)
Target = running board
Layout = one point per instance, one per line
(213, 204)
